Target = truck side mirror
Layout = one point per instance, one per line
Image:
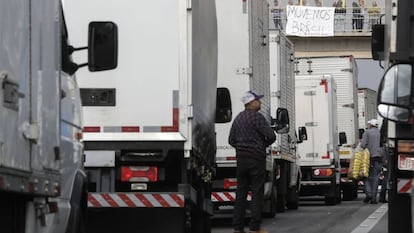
(102, 46)
(360, 133)
(342, 138)
(281, 123)
(377, 42)
(303, 135)
(223, 105)
(395, 93)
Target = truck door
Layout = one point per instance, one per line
(15, 80)
(45, 85)
(312, 111)
(29, 122)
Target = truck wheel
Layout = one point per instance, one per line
(335, 199)
(270, 205)
(281, 203)
(338, 194)
(330, 200)
(348, 192)
(292, 201)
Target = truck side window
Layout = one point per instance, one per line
(223, 105)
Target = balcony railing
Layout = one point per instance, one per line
(348, 22)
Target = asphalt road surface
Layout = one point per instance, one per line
(313, 216)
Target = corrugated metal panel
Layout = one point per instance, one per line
(259, 59)
(287, 90)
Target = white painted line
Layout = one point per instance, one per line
(372, 220)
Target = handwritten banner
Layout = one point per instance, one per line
(308, 21)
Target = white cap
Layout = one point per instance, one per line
(249, 96)
(373, 122)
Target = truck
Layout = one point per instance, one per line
(149, 125)
(367, 106)
(42, 181)
(393, 46)
(244, 65)
(282, 95)
(345, 72)
(316, 110)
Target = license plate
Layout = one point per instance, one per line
(99, 158)
(344, 152)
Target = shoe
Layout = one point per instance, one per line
(367, 199)
(374, 202)
(259, 231)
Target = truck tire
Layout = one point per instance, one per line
(292, 200)
(281, 203)
(270, 205)
(348, 192)
(335, 198)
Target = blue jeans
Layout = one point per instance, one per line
(251, 175)
(371, 182)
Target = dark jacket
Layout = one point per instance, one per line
(250, 134)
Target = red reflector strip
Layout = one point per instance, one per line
(161, 201)
(126, 199)
(178, 199)
(93, 202)
(231, 158)
(133, 200)
(174, 127)
(126, 129)
(109, 199)
(91, 129)
(325, 83)
(227, 196)
(327, 156)
(230, 183)
(404, 185)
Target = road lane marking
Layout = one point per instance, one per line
(372, 220)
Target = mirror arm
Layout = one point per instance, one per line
(380, 65)
(82, 65)
(71, 49)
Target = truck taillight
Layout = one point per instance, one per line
(230, 183)
(139, 174)
(323, 172)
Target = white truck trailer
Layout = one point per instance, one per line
(316, 109)
(243, 56)
(344, 70)
(149, 132)
(367, 106)
(42, 182)
(244, 65)
(282, 95)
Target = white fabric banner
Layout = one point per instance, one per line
(306, 21)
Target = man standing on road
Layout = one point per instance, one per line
(371, 140)
(250, 134)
